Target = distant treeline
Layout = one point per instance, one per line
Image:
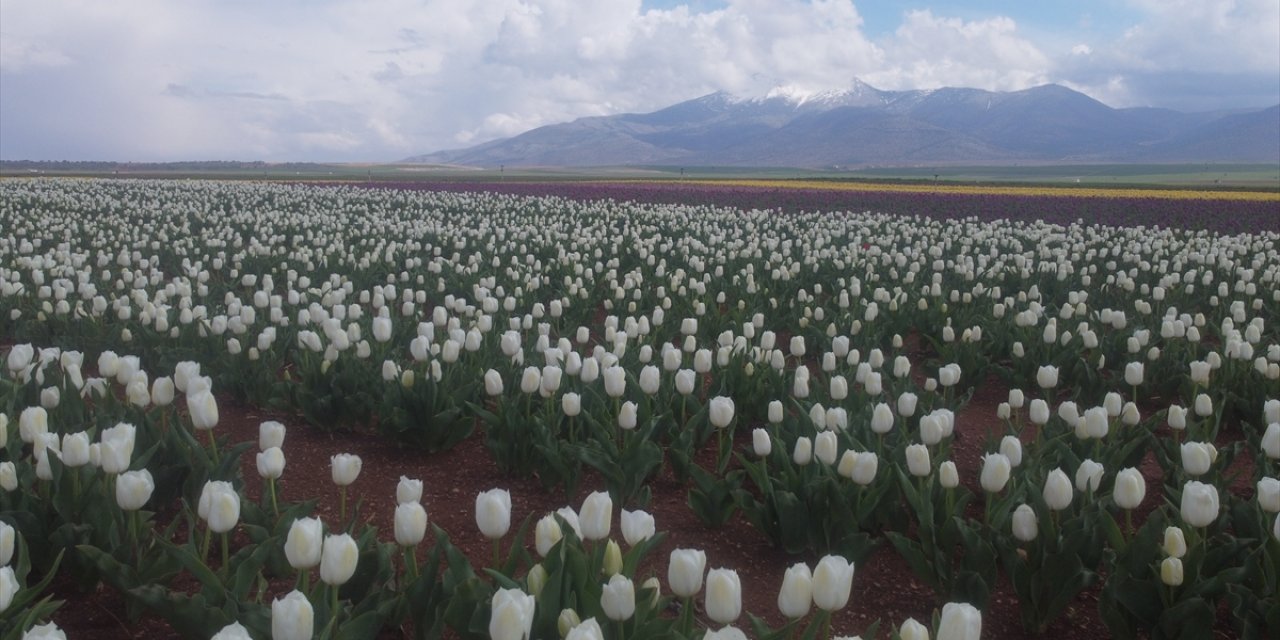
(64, 166)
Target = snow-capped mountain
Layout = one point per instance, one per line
(861, 126)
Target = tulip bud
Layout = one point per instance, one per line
(1047, 377)
(627, 416)
(8, 476)
(864, 467)
(796, 596)
(960, 621)
(1204, 405)
(1199, 504)
(568, 620)
(571, 404)
(720, 411)
(684, 571)
(1025, 524)
(612, 563)
(1134, 373)
(224, 510)
(410, 523)
(1197, 457)
(776, 414)
(546, 534)
(839, 388)
(408, 490)
(133, 489)
(1088, 476)
(1171, 571)
(637, 526)
(1271, 441)
(918, 460)
(270, 434)
(652, 587)
(615, 381)
(203, 408)
(1057, 490)
(32, 422)
(1011, 448)
(292, 617)
(596, 516)
(912, 630)
(344, 468)
(162, 391)
(8, 540)
(826, 447)
(233, 631)
(1095, 424)
(650, 380)
(271, 463)
(724, 595)
(907, 404)
(1175, 543)
(302, 547)
(1017, 399)
(511, 614)
(832, 583)
(881, 419)
(874, 384)
(948, 476)
(338, 559)
(75, 449)
(493, 513)
(1200, 372)
(618, 598)
(1269, 495)
(803, 452)
(800, 386)
(761, 442)
(1130, 488)
(536, 580)
(493, 383)
(1039, 412)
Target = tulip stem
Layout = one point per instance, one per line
(497, 552)
(686, 615)
(304, 580)
(213, 446)
(334, 620)
(225, 556)
(342, 508)
(204, 547)
(411, 561)
(622, 630)
(271, 485)
(1128, 521)
(132, 516)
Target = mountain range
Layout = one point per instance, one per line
(863, 126)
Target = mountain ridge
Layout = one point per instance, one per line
(864, 126)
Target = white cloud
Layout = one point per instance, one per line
(930, 51)
(384, 79)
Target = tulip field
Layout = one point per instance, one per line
(255, 410)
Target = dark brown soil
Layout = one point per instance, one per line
(884, 587)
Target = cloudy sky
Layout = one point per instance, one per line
(379, 80)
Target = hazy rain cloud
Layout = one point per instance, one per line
(384, 79)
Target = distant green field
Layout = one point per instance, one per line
(1205, 175)
(1208, 176)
